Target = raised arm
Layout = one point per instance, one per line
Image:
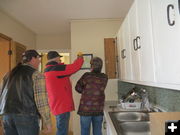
(64, 70)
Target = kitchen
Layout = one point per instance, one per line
(88, 36)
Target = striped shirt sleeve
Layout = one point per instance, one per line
(41, 99)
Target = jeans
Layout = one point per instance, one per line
(96, 124)
(62, 123)
(21, 124)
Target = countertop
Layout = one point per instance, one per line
(107, 117)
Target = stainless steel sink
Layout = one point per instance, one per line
(130, 116)
(133, 128)
(131, 123)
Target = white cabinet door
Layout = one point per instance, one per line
(136, 44)
(120, 48)
(141, 39)
(166, 34)
(125, 51)
(108, 129)
(145, 41)
(133, 35)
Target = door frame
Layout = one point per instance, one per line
(11, 62)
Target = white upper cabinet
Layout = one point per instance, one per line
(123, 39)
(145, 41)
(149, 41)
(120, 48)
(166, 35)
(143, 65)
(133, 44)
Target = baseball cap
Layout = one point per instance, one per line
(28, 54)
(53, 54)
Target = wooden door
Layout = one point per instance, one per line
(5, 57)
(19, 49)
(110, 57)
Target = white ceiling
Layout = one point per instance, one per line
(53, 16)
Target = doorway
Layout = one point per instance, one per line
(18, 51)
(5, 55)
(110, 51)
(5, 58)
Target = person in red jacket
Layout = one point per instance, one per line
(59, 88)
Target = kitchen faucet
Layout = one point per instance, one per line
(145, 99)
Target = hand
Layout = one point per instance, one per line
(48, 129)
(80, 54)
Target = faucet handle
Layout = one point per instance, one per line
(121, 101)
(143, 93)
(143, 90)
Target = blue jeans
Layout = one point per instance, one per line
(62, 123)
(96, 124)
(21, 124)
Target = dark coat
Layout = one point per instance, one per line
(91, 86)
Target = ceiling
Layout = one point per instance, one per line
(53, 16)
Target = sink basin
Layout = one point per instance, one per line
(131, 123)
(130, 116)
(133, 128)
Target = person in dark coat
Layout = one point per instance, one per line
(23, 98)
(91, 86)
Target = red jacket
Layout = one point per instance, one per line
(59, 87)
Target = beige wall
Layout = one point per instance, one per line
(88, 36)
(53, 42)
(17, 31)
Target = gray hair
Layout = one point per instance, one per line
(96, 64)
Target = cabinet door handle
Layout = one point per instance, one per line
(123, 56)
(138, 42)
(135, 45)
(171, 23)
